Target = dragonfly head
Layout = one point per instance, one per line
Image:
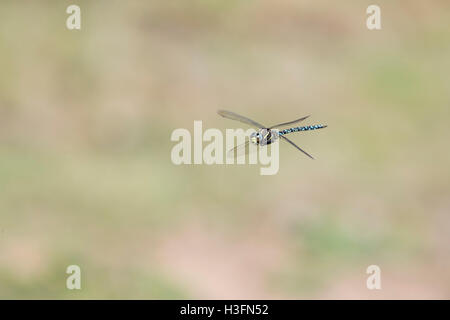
(254, 138)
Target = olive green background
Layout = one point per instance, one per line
(86, 176)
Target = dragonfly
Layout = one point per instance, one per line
(267, 135)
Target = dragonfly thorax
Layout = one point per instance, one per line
(263, 137)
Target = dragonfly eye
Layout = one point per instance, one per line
(254, 138)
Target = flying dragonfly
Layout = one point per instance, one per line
(267, 135)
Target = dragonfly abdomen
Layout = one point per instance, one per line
(303, 128)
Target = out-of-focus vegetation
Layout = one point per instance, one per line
(85, 171)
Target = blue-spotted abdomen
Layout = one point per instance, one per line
(303, 128)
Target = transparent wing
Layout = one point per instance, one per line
(235, 116)
(243, 150)
(296, 146)
(289, 123)
(239, 151)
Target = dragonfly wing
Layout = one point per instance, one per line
(242, 150)
(289, 123)
(235, 116)
(296, 146)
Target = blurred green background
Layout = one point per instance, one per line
(85, 170)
